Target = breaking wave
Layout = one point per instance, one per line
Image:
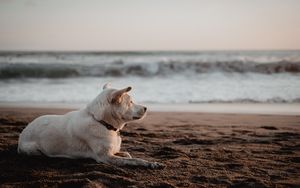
(122, 69)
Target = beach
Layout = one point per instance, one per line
(198, 149)
(206, 92)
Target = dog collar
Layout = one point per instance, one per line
(107, 125)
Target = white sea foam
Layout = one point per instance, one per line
(216, 87)
(157, 77)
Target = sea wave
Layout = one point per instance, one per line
(162, 68)
(249, 100)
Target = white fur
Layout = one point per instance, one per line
(77, 134)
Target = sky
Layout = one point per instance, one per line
(127, 25)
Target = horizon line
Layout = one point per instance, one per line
(144, 51)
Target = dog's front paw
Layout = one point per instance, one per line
(156, 165)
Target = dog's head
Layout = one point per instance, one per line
(116, 106)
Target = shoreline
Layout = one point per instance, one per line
(214, 108)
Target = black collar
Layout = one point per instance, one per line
(107, 125)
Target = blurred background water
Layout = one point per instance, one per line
(157, 77)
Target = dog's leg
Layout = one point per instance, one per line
(121, 161)
(123, 154)
(102, 155)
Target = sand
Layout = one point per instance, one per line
(198, 150)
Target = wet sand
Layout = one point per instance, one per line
(198, 150)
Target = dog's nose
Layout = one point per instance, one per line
(145, 109)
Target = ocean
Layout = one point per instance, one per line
(156, 77)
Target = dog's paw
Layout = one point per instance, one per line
(123, 154)
(156, 165)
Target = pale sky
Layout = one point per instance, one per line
(149, 24)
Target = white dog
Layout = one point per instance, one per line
(92, 132)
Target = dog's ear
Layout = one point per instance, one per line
(106, 86)
(116, 96)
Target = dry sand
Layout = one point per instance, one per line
(198, 149)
